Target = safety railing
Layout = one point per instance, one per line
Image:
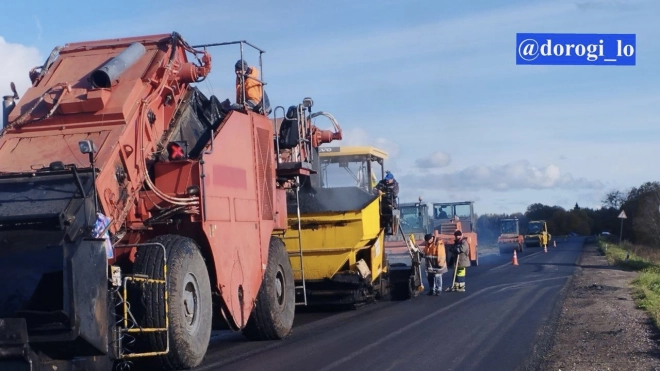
(123, 326)
(260, 80)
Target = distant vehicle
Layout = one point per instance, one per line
(510, 238)
(450, 216)
(605, 233)
(537, 234)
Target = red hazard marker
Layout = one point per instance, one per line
(176, 152)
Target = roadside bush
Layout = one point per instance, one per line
(648, 292)
(647, 262)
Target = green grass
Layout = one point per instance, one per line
(647, 284)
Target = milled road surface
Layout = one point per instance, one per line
(502, 322)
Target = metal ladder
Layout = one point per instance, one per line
(299, 253)
(304, 143)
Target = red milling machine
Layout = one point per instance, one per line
(135, 211)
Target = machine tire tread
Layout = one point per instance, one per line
(186, 350)
(267, 321)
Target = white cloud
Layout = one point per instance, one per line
(597, 137)
(360, 137)
(512, 176)
(437, 159)
(15, 62)
(454, 35)
(461, 49)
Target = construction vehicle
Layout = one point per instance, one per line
(405, 270)
(510, 238)
(537, 234)
(451, 216)
(135, 212)
(337, 254)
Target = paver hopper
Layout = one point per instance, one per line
(338, 254)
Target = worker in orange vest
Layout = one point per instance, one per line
(247, 78)
(436, 263)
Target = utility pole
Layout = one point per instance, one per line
(621, 216)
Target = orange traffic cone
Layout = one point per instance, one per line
(515, 258)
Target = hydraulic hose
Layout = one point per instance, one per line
(330, 117)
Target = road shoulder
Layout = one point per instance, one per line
(600, 327)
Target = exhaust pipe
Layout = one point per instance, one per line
(8, 105)
(105, 76)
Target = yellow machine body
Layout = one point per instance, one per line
(342, 238)
(334, 242)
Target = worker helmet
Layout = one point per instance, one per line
(388, 175)
(241, 63)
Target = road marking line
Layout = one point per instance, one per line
(513, 315)
(520, 259)
(419, 321)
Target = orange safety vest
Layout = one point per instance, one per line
(435, 254)
(253, 88)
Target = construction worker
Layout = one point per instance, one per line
(249, 77)
(436, 263)
(390, 187)
(460, 257)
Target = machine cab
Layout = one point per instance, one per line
(536, 227)
(361, 167)
(447, 211)
(415, 218)
(509, 227)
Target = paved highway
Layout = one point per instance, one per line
(500, 323)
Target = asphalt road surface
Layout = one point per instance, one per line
(501, 322)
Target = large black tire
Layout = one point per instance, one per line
(274, 311)
(411, 288)
(384, 292)
(401, 290)
(190, 308)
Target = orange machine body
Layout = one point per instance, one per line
(237, 207)
(446, 233)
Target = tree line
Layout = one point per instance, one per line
(641, 205)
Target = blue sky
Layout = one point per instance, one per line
(434, 83)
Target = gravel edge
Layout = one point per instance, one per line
(545, 337)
